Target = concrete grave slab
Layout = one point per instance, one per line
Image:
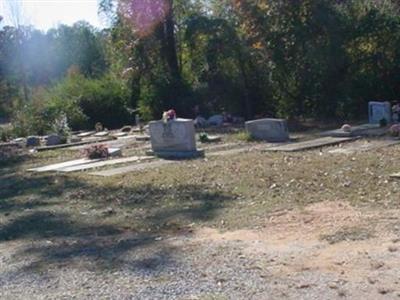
(120, 134)
(86, 134)
(395, 176)
(271, 130)
(102, 134)
(73, 145)
(104, 163)
(360, 130)
(306, 145)
(55, 167)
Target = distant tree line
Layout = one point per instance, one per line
(281, 58)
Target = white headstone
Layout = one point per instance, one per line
(271, 130)
(175, 135)
(378, 111)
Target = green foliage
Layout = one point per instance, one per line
(319, 59)
(6, 133)
(82, 100)
(244, 136)
(87, 101)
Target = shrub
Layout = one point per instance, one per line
(6, 133)
(87, 101)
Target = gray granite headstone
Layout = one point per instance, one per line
(32, 141)
(53, 140)
(175, 138)
(271, 130)
(378, 111)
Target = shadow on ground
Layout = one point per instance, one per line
(46, 213)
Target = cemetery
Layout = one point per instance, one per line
(199, 150)
(202, 184)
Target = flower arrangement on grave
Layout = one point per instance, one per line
(395, 130)
(169, 115)
(96, 152)
(204, 137)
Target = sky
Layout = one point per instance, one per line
(45, 14)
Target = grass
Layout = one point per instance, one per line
(227, 192)
(244, 136)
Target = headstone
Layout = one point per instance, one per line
(271, 130)
(113, 152)
(216, 120)
(378, 111)
(126, 129)
(200, 122)
(32, 141)
(53, 140)
(173, 139)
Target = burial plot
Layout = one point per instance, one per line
(104, 163)
(378, 111)
(174, 139)
(55, 167)
(133, 168)
(102, 134)
(306, 145)
(86, 134)
(359, 130)
(271, 130)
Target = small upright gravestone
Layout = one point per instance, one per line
(378, 111)
(271, 130)
(32, 141)
(174, 139)
(53, 140)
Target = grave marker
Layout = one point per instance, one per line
(174, 139)
(271, 130)
(378, 111)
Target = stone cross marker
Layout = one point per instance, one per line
(378, 111)
(173, 139)
(271, 130)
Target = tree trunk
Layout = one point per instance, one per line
(169, 43)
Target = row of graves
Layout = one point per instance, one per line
(173, 140)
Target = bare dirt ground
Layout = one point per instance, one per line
(327, 250)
